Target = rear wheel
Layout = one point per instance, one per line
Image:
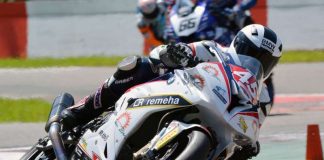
(192, 145)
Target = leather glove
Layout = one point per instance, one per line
(177, 56)
(68, 119)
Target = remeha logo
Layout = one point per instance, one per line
(268, 45)
(160, 100)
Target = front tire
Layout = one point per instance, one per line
(31, 154)
(193, 145)
(35, 154)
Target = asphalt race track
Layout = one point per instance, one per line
(300, 101)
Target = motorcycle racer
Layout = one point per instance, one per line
(151, 23)
(155, 26)
(237, 11)
(257, 42)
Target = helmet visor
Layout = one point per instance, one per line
(253, 65)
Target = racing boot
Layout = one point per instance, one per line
(88, 108)
(246, 152)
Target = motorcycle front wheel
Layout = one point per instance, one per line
(35, 154)
(192, 145)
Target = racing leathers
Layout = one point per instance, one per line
(235, 10)
(135, 70)
(151, 23)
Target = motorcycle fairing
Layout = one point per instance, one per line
(247, 124)
(247, 82)
(81, 153)
(189, 24)
(148, 98)
(206, 86)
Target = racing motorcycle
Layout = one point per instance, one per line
(188, 22)
(187, 114)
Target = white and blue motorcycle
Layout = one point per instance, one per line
(188, 114)
(188, 22)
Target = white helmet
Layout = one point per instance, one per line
(259, 42)
(148, 8)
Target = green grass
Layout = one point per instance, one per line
(60, 62)
(23, 110)
(288, 57)
(302, 56)
(37, 110)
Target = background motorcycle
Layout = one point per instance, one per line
(190, 22)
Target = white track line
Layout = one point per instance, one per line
(17, 149)
(300, 95)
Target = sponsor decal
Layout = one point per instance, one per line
(81, 149)
(243, 124)
(186, 78)
(103, 135)
(97, 98)
(171, 79)
(124, 80)
(160, 100)
(247, 82)
(167, 138)
(95, 156)
(198, 81)
(211, 71)
(268, 45)
(221, 93)
(122, 122)
(83, 143)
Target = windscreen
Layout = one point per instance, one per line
(253, 65)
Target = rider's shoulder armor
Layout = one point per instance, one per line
(128, 63)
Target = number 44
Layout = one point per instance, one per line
(248, 83)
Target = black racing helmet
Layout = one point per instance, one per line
(259, 42)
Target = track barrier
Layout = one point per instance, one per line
(259, 12)
(314, 147)
(13, 30)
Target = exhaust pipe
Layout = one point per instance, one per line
(60, 103)
(57, 142)
(53, 125)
